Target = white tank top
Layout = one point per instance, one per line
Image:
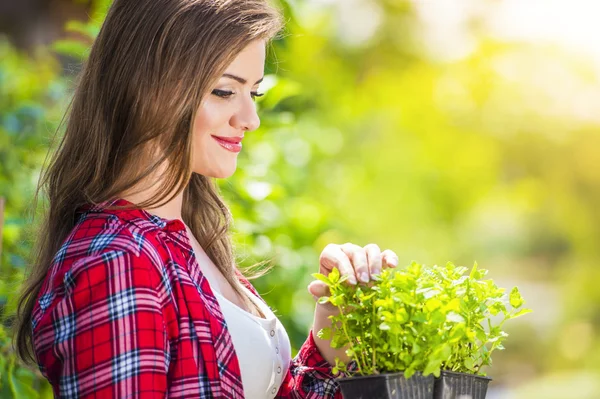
(262, 346)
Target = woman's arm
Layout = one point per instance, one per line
(106, 337)
(321, 320)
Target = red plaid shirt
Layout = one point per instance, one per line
(125, 312)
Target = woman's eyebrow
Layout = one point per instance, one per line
(241, 80)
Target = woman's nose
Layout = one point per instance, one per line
(246, 118)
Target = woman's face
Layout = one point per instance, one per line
(227, 113)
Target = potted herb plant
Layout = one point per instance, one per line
(390, 332)
(477, 310)
(412, 324)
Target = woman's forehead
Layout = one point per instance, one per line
(248, 65)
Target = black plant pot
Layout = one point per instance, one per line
(452, 385)
(387, 386)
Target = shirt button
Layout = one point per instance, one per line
(274, 390)
(277, 350)
(279, 369)
(272, 333)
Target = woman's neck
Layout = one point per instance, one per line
(170, 210)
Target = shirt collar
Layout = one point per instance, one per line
(139, 217)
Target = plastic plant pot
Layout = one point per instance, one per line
(387, 386)
(452, 385)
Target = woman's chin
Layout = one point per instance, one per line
(222, 173)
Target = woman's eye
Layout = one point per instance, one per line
(227, 93)
(222, 93)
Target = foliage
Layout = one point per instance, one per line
(30, 93)
(17, 381)
(379, 140)
(79, 48)
(420, 319)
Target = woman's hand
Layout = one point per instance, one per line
(356, 262)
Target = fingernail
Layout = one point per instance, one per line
(352, 280)
(375, 271)
(393, 263)
(316, 297)
(364, 277)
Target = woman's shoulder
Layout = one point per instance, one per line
(102, 232)
(102, 258)
(102, 241)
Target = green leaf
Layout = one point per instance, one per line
(433, 367)
(85, 29)
(324, 333)
(416, 349)
(337, 300)
(406, 358)
(402, 316)
(71, 48)
(20, 381)
(334, 275)
(323, 300)
(445, 352)
(433, 304)
(321, 277)
(516, 301)
(481, 335)
(469, 363)
(521, 313)
(474, 275)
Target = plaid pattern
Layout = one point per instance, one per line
(125, 312)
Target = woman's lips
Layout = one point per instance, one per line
(233, 144)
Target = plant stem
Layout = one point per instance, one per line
(487, 356)
(373, 346)
(350, 341)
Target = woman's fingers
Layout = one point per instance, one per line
(374, 258)
(333, 257)
(358, 263)
(358, 257)
(318, 289)
(390, 259)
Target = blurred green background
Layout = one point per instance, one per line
(447, 130)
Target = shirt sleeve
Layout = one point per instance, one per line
(310, 376)
(107, 335)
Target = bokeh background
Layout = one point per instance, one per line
(446, 130)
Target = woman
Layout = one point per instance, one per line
(135, 292)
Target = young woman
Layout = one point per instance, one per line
(135, 292)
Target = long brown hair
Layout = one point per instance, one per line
(148, 70)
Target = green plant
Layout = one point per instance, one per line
(419, 319)
(478, 309)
